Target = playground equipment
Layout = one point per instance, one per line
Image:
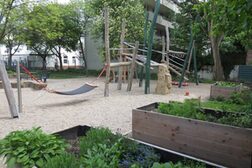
(8, 91)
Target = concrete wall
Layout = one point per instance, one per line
(94, 59)
(249, 57)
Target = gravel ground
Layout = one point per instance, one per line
(54, 112)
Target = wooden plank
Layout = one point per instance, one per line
(226, 145)
(119, 64)
(132, 68)
(107, 52)
(119, 86)
(8, 90)
(20, 102)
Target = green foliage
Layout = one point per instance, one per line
(226, 84)
(123, 152)
(30, 148)
(190, 109)
(184, 164)
(102, 156)
(132, 11)
(62, 161)
(95, 137)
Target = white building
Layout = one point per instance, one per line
(26, 56)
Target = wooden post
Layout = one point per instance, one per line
(8, 90)
(167, 44)
(130, 80)
(119, 86)
(163, 49)
(20, 102)
(107, 52)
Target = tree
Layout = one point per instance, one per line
(132, 11)
(12, 13)
(226, 18)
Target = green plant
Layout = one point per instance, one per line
(226, 84)
(62, 161)
(190, 109)
(30, 148)
(183, 164)
(95, 137)
(102, 156)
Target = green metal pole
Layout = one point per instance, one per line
(195, 66)
(145, 44)
(150, 44)
(187, 58)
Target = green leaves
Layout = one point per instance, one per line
(30, 148)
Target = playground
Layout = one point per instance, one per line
(145, 103)
(56, 112)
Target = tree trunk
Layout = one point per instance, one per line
(218, 68)
(10, 61)
(60, 58)
(83, 55)
(10, 56)
(44, 63)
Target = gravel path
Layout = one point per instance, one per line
(54, 112)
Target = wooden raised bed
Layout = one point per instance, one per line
(74, 133)
(221, 144)
(221, 91)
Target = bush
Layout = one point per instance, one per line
(102, 156)
(95, 137)
(62, 161)
(30, 148)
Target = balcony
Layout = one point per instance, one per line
(161, 20)
(164, 5)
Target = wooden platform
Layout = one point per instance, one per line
(221, 144)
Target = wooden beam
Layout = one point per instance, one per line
(119, 64)
(107, 52)
(119, 86)
(8, 90)
(132, 68)
(20, 102)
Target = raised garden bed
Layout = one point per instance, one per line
(224, 91)
(221, 144)
(73, 134)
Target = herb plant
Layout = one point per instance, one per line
(62, 161)
(30, 148)
(226, 84)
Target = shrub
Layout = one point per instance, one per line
(30, 148)
(95, 137)
(102, 156)
(62, 161)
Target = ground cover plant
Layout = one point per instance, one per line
(100, 148)
(237, 110)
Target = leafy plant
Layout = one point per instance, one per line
(95, 137)
(30, 148)
(190, 109)
(183, 164)
(62, 161)
(102, 156)
(226, 84)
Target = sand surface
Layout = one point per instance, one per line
(54, 112)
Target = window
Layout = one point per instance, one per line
(74, 60)
(65, 59)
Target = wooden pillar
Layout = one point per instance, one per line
(163, 49)
(20, 102)
(167, 44)
(8, 90)
(132, 68)
(107, 52)
(119, 86)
